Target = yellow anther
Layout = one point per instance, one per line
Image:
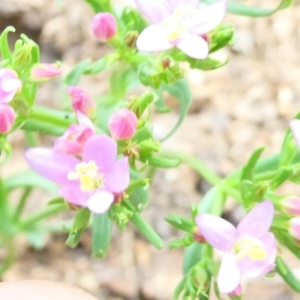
(87, 173)
(248, 247)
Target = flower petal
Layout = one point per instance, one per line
(117, 178)
(210, 17)
(73, 194)
(153, 39)
(155, 10)
(102, 150)
(193, 46)
(176, 4)
(295, 127)
(255, 268)
(258, 221)
(229, 275)
(51, 165)
(100, 201)
(218, 232)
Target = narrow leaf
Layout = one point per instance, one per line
(102, 230)
(4, 47)
(247, 171)
(162, 162)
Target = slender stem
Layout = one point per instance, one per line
(52, 116)
(51, 211)
(10, 250)
(22, 202)
(31, 139)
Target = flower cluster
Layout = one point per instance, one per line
(85, 163)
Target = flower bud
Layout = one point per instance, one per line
(104, 26)
(81, 101)
(9, 85)
(42, 72)
(294, 229)
(237, 291)
(7, 118)
(291, 205)
(122, 124)
(73, 140)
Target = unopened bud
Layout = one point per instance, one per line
(104, 26)
(7, 118)
(291, 205)
(81, 101)
(122, 124)
(294, 229)
(42, 72)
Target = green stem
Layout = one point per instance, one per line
(31, 139)
(43, 127)
(52, 116)
(51, 211)
(21, 204)
(11, 253)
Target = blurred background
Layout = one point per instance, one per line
(236, 109)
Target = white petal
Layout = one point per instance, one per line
(153, 39)
(100, 201)
(193, 46)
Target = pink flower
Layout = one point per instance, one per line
(294, 229)
(179, 23)
(90, 182)
(9, 85)
(104, 26)
(73, 140)
(41, 72)
(295, 127)
(250, 249)
(122, 124)
(81, 101)
(7, 118)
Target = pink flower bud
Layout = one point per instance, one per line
(7, 118)
(41, 72)
(237, 291)
(74, 139)
(291, 205)
(122, 124)
(81, 101)
(104, 26)
(9, 85)
(294, 229)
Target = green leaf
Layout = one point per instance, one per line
(180, 222)
(287, 275)
(192, 255)
(247, 171)
(139, 197)
(4, 47)
(99, 5)
(132, 20)
(102, 64)
(30, 179)
(162, 162)
(74, 76)
(74, 238)
(252, 11)
(181, 91)
(145, 229)
(102, 230)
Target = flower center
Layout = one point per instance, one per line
(248, 247)
(180, 22)
(88, 176)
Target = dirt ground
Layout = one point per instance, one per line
(236, 109)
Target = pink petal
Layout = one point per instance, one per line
(193, 46)
(73, 194)
(10, 85)
(176, 4)
(155, 10)
(211, 16)
(295, 127)
(117, 178)
(85, 121)
(51, 165)
(258, 221)
(255, 268)
(102, 150)
(100, 201)
(218, 232)
(153, 39)
(229, 275)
